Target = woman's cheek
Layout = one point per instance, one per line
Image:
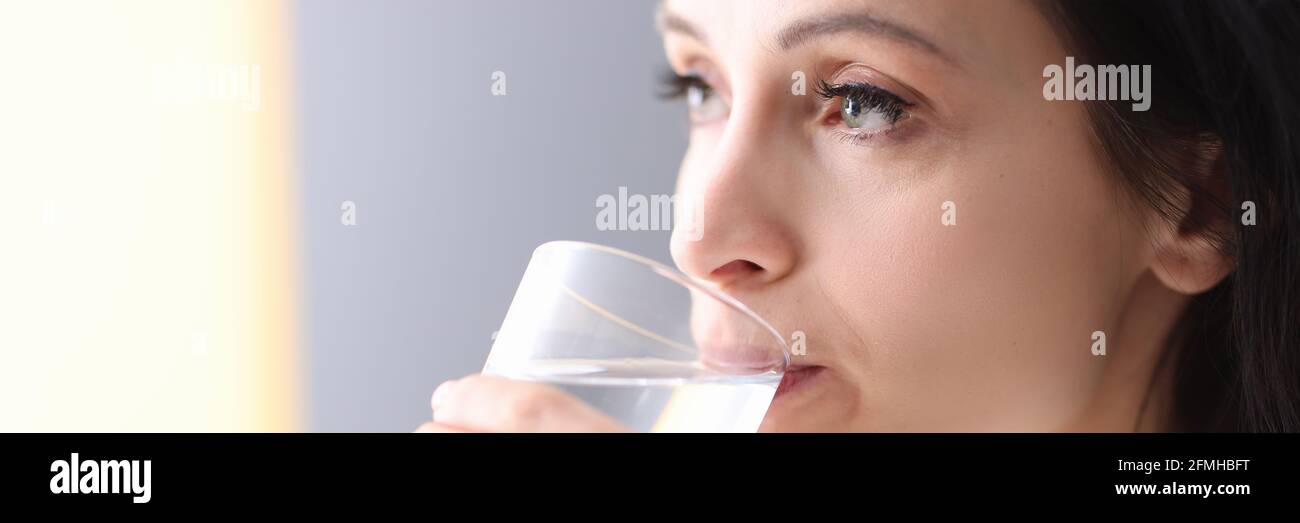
(980, 288)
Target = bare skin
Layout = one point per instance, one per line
(912, 324)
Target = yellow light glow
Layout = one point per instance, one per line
(146, 235)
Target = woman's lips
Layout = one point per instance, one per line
(798, 378)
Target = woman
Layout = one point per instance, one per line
(969, 241)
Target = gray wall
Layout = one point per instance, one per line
(454, 187)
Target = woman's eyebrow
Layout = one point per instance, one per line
(808, 29)
(668, 22)
(803, 31)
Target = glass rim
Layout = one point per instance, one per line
(681, 278)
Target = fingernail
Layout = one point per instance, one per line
(440, 394)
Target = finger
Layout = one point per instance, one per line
(496, 404)
(431, 427)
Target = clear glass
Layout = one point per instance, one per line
(647, 345)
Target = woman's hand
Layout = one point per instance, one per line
(478, 403)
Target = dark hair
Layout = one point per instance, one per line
(1224, 128)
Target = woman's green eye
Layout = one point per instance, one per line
(865, 106)
(704, 103)
(696, 95)
(857, 116)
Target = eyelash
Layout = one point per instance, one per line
(677, 85)
(867, 96)
(870, 98)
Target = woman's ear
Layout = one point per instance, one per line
(1190, 263)
(1191, 256)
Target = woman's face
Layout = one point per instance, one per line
(945, 238)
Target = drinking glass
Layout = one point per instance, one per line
(647, 345)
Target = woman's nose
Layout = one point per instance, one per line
(739, 234)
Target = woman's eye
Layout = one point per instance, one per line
(856, 116)
(865, 107)
(702, 100)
